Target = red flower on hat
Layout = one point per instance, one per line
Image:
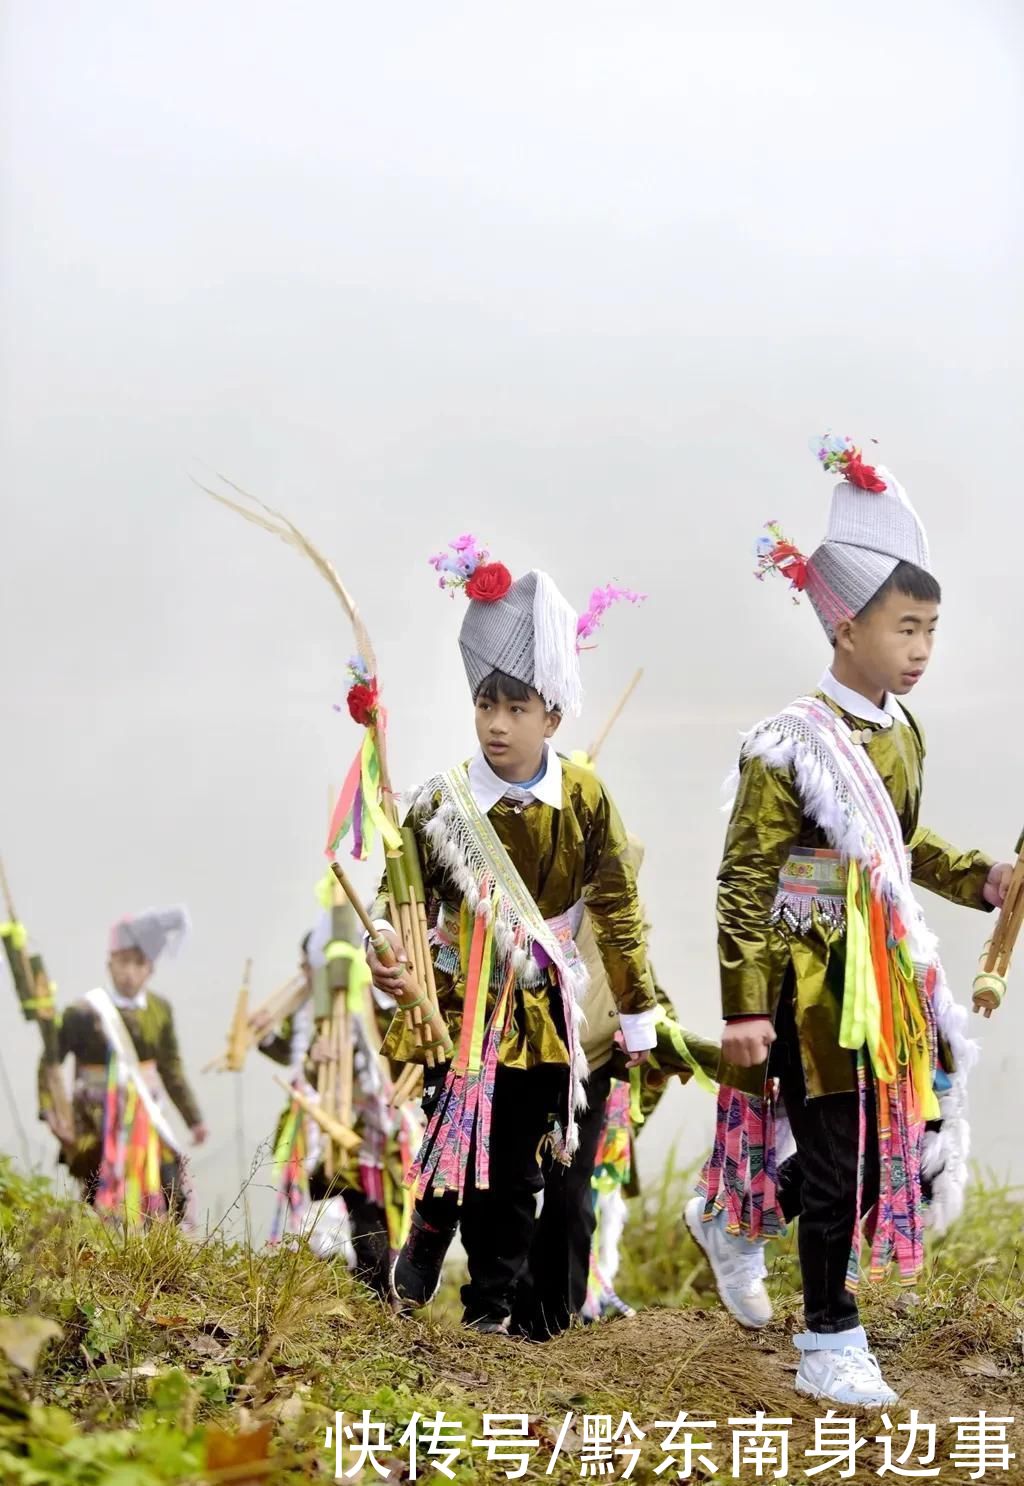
(362, 702)
(864, 476)
(490, 582)
(777, 554)
(791, 563)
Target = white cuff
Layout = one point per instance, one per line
(379, 924)
(640, 1030)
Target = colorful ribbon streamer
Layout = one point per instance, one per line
(289, 1167)
(359, 810)
(129, 1186)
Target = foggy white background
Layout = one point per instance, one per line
(583, 279)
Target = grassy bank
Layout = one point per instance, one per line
(161, 1359)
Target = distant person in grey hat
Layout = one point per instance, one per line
(125, 1153)
(837, 1012)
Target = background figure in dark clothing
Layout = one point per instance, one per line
(553, 1286)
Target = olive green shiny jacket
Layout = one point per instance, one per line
(757, 958)
(563, 856)
(155, 1039)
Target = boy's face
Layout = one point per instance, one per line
(129, 970)
(512, 734)
(890, 646)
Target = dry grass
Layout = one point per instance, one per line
(164, 1337)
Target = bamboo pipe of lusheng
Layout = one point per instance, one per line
(407, 1085)
(329, 1083)
(419, 899)
(433, 1020)
(327, 1080)
(330, 1072)
(403, 916)
(990, 982)
(278, 1005)
(335, 1131)
(238, 1037)
(343, 1044)
(415, 931)
(37, 1004)
(407, 906)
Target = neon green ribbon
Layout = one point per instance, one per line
(358, 970)
(861, 1021)
(636, 1114)
(286, 1138)
(674, 1032)
(856, 987)
(152, 1163)
(469, 1057)
(41, 1003)
(16, 933)
(372, 809)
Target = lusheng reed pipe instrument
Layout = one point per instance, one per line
(412, 994)
(990, 982)
(35, 994)
(249, 1027)
(366, 806)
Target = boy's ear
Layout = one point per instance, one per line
(845, 635)
(552, 722)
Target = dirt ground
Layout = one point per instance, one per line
(666, 1361)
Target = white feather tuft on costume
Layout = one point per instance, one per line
(611, 1216)
(328, 1231)
(944, 1161)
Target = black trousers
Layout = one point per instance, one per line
(818, 1184)
(553, 1285)
(497, 1224)
(369, 1224)
(370, 1241)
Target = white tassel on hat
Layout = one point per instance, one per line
(556, 664)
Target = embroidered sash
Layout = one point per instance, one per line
(129, 1070)
(503, 938)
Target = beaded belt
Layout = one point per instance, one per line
(564, 926)
(812, 884)
(91, 1078)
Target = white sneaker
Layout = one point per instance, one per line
(737, 1264)
(850, 1376)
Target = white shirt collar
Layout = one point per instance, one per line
(129, 1003)
(860, 707)
(487, 789)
